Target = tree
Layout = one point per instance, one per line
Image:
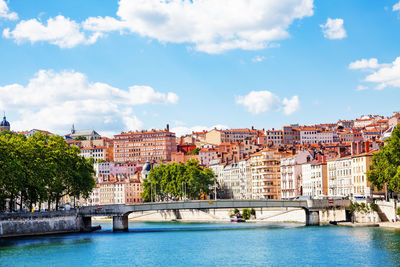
(176, 181)
(385, 167)
(41, 168)
(80, 138)
(194, 151)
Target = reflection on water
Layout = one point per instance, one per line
(206, 244)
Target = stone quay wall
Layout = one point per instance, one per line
(25, 224)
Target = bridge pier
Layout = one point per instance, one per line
(85, 223)
(312, 217)
(120, 223)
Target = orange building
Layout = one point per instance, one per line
(142, 146)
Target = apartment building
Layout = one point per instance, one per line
(142, 146)
(265, 173)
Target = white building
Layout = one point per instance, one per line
(314, 179)
(340, 176)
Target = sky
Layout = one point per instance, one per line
(127, 65)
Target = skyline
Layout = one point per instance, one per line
(121, 66)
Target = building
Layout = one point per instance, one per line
(206, 155)
(340, 176)
(265, 173)
(133, 191)
(274, 137)
(4, 124)
(360, 165)
(98, 153)
(315, 182)
(180, 157)
(84, 134)
(291, 135)
(142, 146)
(216, 137)
(291, 174)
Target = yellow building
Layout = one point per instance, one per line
(265, 173)
(361, 185)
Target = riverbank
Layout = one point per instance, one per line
(390, 225)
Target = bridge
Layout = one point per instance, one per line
(120, 212)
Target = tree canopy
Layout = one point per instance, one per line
(41, 169)
(385, 167)
(175, 181)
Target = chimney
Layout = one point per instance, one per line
(167, 129)
(252, 127)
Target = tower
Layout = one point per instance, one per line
(4, 124)
(73, 129)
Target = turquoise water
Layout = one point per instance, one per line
(208, 244)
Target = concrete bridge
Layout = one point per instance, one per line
(120, 212)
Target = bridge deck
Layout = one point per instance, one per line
(118, 210)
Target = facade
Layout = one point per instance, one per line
(360, 165)
(340, 177)
(291, 135)
(291, 174)
(206, 155)
(99, 153)
(216, 137)
(133, 191)
(265, 174)
(315, 182)
(142, 146)
(274, 137)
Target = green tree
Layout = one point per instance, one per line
(80, 138)
(177, 180)
(246, 214)
(385, 167)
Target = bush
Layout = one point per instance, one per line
(398, 211)
(246, 214)
(252, 212)
(236, 211)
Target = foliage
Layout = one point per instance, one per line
(252, 212)
(385, 167)
(194, 151)
(398, 211)
(360, 207)
(177, 181)
(40, 169)
(246, 214)
(236, 211)
(80, 138)
(373, 206)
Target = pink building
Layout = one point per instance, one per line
(207, 154)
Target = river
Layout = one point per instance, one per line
(208, 244)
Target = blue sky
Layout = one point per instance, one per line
(236, 65)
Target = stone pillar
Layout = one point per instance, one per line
(85, 223)
(312, 217)
(120, 223)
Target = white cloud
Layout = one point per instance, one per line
(181, 130)
(361, 87)
(54, 100)
(290, 106)
(132, 123)
(363, 64)
(396, 7)
(258, 59)
(333, 29)
(211, 26)
(5, 12)
(385, 75)
(59, 31)
(258, 102)
(146, 94)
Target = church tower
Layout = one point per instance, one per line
(4, 124)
